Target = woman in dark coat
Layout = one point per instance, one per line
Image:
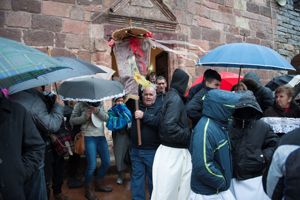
(284, 105)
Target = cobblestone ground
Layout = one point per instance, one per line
(120, 192)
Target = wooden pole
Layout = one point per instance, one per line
(138, 124)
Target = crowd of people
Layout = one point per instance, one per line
(209, 144)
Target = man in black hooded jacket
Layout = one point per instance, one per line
(172, 163)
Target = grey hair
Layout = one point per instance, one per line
(152, 87)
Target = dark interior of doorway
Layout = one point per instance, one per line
(162, 63)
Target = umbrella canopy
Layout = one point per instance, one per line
(245, 55)
(229, 79)
(76, 68)
(19, 63)
(278, 81)
(90, 89)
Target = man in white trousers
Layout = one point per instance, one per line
(172, 162)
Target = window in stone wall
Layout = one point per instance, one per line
(297, 5)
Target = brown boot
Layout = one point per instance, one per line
(100, 187)
(89, 193)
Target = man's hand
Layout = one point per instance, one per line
(59, 101)
(88, 113)
(139, 114)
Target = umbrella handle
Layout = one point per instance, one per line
(138, 124)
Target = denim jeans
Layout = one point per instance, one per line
(141, 164)
(94, 145)
(35, 188)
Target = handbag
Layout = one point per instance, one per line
(79, 147)
(62, 143)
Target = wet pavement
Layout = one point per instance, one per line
(120, 192)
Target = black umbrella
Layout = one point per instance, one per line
(278, 81)
(90, 89)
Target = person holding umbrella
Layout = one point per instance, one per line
(91, 115)
(48, 116)
(263, 95)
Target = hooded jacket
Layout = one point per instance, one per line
(263, 95)
(173, 128)
(253, 141)
(210, 149)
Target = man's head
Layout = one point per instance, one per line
(180, 80)
(212, 79)
(161, 84)
(149, 96)
(152, 77)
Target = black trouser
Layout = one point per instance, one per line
(73, 165)
(54, 171)
(58, 173)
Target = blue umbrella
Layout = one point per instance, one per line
(76, 68)
(245, 55)
(19, 62)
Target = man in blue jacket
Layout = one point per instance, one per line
(211, 159)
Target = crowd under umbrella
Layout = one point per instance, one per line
(245, 55)
(76, 68)
(90, 89)
(19, 63)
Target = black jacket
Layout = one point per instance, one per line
(149, 127)
(173, 128)
(194, 90)
(253, 141)
(195, 106)
(263, 95)
(275, 111)
(21, 149)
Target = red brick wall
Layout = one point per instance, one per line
(65, 26)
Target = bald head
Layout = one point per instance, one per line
(149, 96)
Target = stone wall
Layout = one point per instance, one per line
(66, 27)
(288, 31)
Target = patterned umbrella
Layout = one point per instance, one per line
(19, 63)
(76, 68)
